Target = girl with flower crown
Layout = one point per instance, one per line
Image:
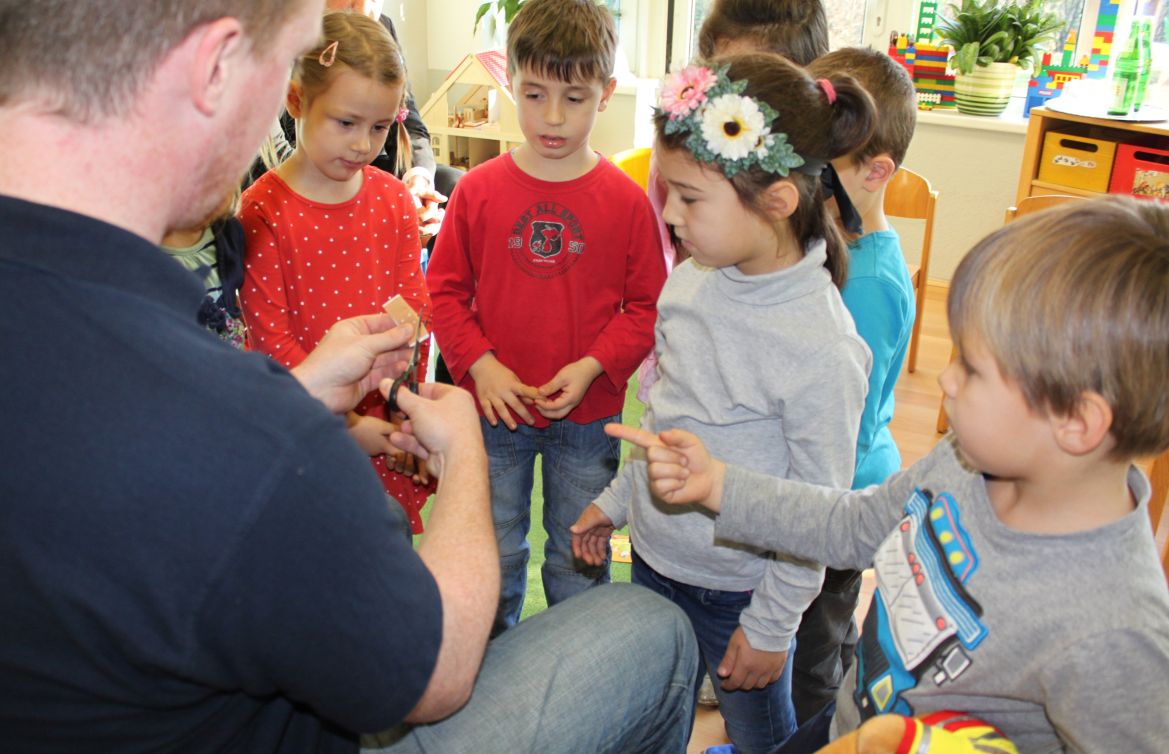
(329, 236)
(757, 355)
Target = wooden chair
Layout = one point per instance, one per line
(1159, 479)
(910, 195)
(634, 163)
(1028, 205)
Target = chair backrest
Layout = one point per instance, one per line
(634, 163)
(1159, 479)
(910, 195)
(1031, 204)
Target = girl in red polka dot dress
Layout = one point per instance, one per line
(329, 236)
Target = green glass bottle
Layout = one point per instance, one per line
(1127, 69)
(1145, 42)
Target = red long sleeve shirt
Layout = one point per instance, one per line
(309, 265)
(545, 273)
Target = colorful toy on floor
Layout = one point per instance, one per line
(936, 733)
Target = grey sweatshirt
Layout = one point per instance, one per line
(769, 371)
(1062, 641)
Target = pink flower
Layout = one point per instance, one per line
(684, 90)
(403, 113)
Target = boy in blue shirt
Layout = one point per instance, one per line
(879, 295)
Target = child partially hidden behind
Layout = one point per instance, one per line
(1017, 576)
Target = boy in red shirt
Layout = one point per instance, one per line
(543, 284)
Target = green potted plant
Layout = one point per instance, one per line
(992, 40)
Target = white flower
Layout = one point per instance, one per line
(732, 125)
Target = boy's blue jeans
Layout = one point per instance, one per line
(758, 720)
(579, 461)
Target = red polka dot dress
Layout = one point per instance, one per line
(309, 265)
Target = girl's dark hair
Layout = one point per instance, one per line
(796, 29)
(816, 129)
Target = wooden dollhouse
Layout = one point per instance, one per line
(472, 116)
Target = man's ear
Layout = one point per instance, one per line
(294, 100)
(878, 171)
(1086, 427)
(606, 93)
(219, 47)
(781, 198)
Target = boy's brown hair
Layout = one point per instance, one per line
(795, 29)
(569, 40)
(892, 90)
(1073, 299)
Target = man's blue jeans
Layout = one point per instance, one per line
(758, 720)
(610, 670)
(579, 461)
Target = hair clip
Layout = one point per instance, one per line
(403, 114)
(727, 127)
(329, 54)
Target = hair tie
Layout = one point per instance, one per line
(826, 85)
(403, 113)
(329, 54)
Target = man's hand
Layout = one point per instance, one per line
(353, 357)
(590, 536)
(679, 467)
(745, 668)
(498, 389)
(442, 419)
(564, 391)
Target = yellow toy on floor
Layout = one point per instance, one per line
(935, 733)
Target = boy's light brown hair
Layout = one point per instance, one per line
(1073, 299)
(89, 60)
(795, 29)
(569, 40)
(892, 90)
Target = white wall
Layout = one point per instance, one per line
(975, 171)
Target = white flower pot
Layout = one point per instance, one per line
(985, 90)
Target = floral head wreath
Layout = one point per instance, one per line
(727, 127)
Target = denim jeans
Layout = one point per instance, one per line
(579, 461)
(758, 720)
(610, 670)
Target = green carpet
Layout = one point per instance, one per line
(534, 601)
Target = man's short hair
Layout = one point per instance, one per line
(892, 90)
(569, 40)
(1073, 299)
(795, 29)
(87, 60)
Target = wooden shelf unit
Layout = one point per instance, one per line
(1043, 119)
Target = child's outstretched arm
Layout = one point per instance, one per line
(499, 390)
(680, 469)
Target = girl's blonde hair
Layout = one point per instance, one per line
(364, 46)
(818, 129)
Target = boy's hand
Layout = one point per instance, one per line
(498, 389)
(590, 536)
(680, 469)
(372, 434)
(443, 420)
(568, 386)
(745, 668)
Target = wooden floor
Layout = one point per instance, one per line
(914, 427)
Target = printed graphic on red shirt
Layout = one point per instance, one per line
(546, 241)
